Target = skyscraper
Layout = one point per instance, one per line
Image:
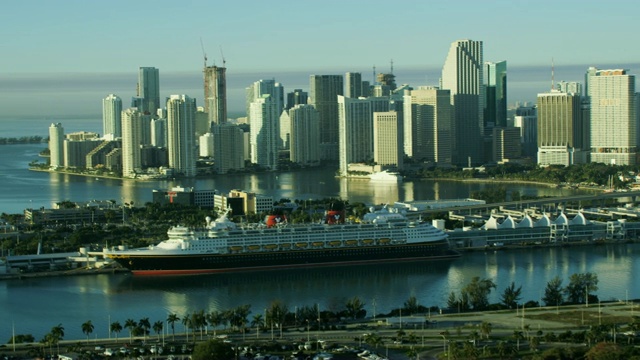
(353, 85)
(264, 132)
(428, 121)
(131, 141)
(613, 117)
(159, 132)
(387, 139)
(305, 137)
(215, 94)
(324, 91)
(111, 116)
(56, 145)
(228, 147)
(495, 114)
(560, 129)
(181, 138)
(265, 87)
(296, 97)
(149, 89)
(462, 74)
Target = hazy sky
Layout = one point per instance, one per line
(62, 57)
(117, 35)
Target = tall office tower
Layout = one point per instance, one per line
(591, 71)
(366, 89)
(572, 87)
(323, 94)
(181, 137)
(387, 139)
(131, 141)
(462, 74)
(265, 87)
(145, 128)
(228, 147)
(613, 117)
(296, 97)
(159, 132)
(265, 134)
(305, 134)
(356, 129)
(149, 89)
(215, 94)
(506, 144)
(428, 124)
(495, 112)
(284, 124)
(56, 145)
(353, 85)
(111, 116)
(205, 145)
(387, 79)
(560, 129)
(526, 119)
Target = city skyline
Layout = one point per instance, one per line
(76, 64)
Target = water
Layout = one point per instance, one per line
(36, 305)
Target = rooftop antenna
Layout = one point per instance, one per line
(374, 74)
(224, 62)
(203, 53)
(391, 66)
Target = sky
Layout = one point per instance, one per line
(49, 41)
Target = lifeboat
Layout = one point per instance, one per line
(335, 243)
(351, 242)
(367, 241)
(318, 244)
(236, 248)
(285, 246)
(302, 245)
(253, 247)
(270, 246)
(384, 241)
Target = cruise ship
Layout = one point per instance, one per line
(223, 246)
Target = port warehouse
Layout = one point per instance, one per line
(496, 225)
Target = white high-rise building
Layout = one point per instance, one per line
(613, 117)
(228, 147)
(285, 130)
(111, 116)
(264, 132)
(387, 139)
(149, 90)
(131, 140)
(305, 134)
(181, 138)
(428, 122)
(265, 87)
(56, 145)
(205, 145)
(355, 120)
(462, 73)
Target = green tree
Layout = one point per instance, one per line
(580, 287)
(87, 328)
(510, 296)
(172, 319)
(485, 329)
(354, 307)
(199, 321)
(157, 327)
(130, 324)
(115, 328)
(145, 324)
(213, 350)
(478, 291)
(214, 319)
(553, 292)
(411, 305)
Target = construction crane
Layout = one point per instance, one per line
(224, 62)
(203, 53)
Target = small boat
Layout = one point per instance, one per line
(270, 246)
(318, 244)
(302, 244)
(351, 242)
(335, 243)
(253, 247)
(236, 248)
(384, 241)
(367, 241)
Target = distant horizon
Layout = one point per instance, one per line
(79, 94)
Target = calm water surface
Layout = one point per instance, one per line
(36, 305)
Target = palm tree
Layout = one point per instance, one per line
(157, 327)
(145, 325)
(199, 321)
(214, 319)
(171, 319)
(87, 329)
(115, 327)
(517, 334)
(130, 324)
(56, 334)
(187, 321)
(485, 329)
